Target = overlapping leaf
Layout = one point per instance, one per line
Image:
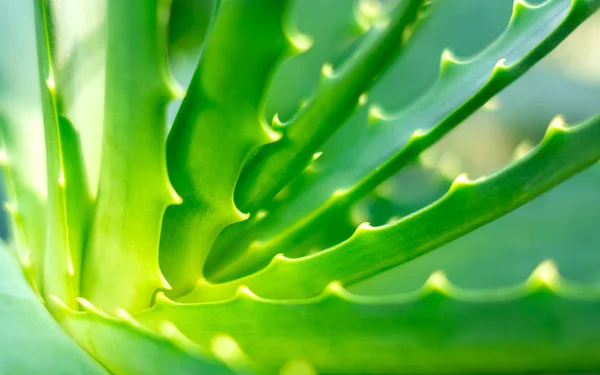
(392, 141)
(545, 324)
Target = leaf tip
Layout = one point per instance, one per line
(363, 99)
(299, 42)
(438, 282)
(377, 115)
(244, 292)
(545, 274)
(327, 71)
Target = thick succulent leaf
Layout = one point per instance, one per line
(31, 341)
(124, 347)
(277, 163)
(333, 102)
(474, 26)
(121, 264)
(562, 153)
(217, 128)
(333, 29)
(78, 36)
(68, 207)
(392, 141)
(545, 324)
(561, 224)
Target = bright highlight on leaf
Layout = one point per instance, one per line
(222, 243)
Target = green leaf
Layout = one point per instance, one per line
(79, 41)
(123, 346)
(333, 102)
(561, 225)
(562, 153)
(120, 267)
(68, 204)
(217, 128)
(340, 179)
(31, 341)
(544, 325)
(333, 29)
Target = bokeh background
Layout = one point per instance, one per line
(562, 225)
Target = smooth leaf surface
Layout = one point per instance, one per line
(79, 66)
(121, 268)
(546, 324)
(124, 347)
(332, 103)
(217, 128)
(68, 202)
(560, 225)
(562, 153)
(392, 141)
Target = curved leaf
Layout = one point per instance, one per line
(544, 325)
(124, 347)
(217, 128)
(120, 267)
(466, 206)
(391, 141)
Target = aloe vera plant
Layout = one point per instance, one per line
(220, 243)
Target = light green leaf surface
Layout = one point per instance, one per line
(332, 103)
(31, 341)
(120, 267)
(392, 141)
(333, 30)
(546, 324)
(562, 153)
(79, 62)
(277, 163)
(560, 225)
(217, 128)
(68, 203)
(124, 347)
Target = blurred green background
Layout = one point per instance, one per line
(562, 225)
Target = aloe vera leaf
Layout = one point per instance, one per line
(68, 204)
(216, 129)
(333, 102)
(276, 163)
(79, 55)
(123, 346)
(333, 29)
(414, 70)
(562, 153)
(392, 141)
(545, 324)
(121, 262)
(560, 225)
(27, 327)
